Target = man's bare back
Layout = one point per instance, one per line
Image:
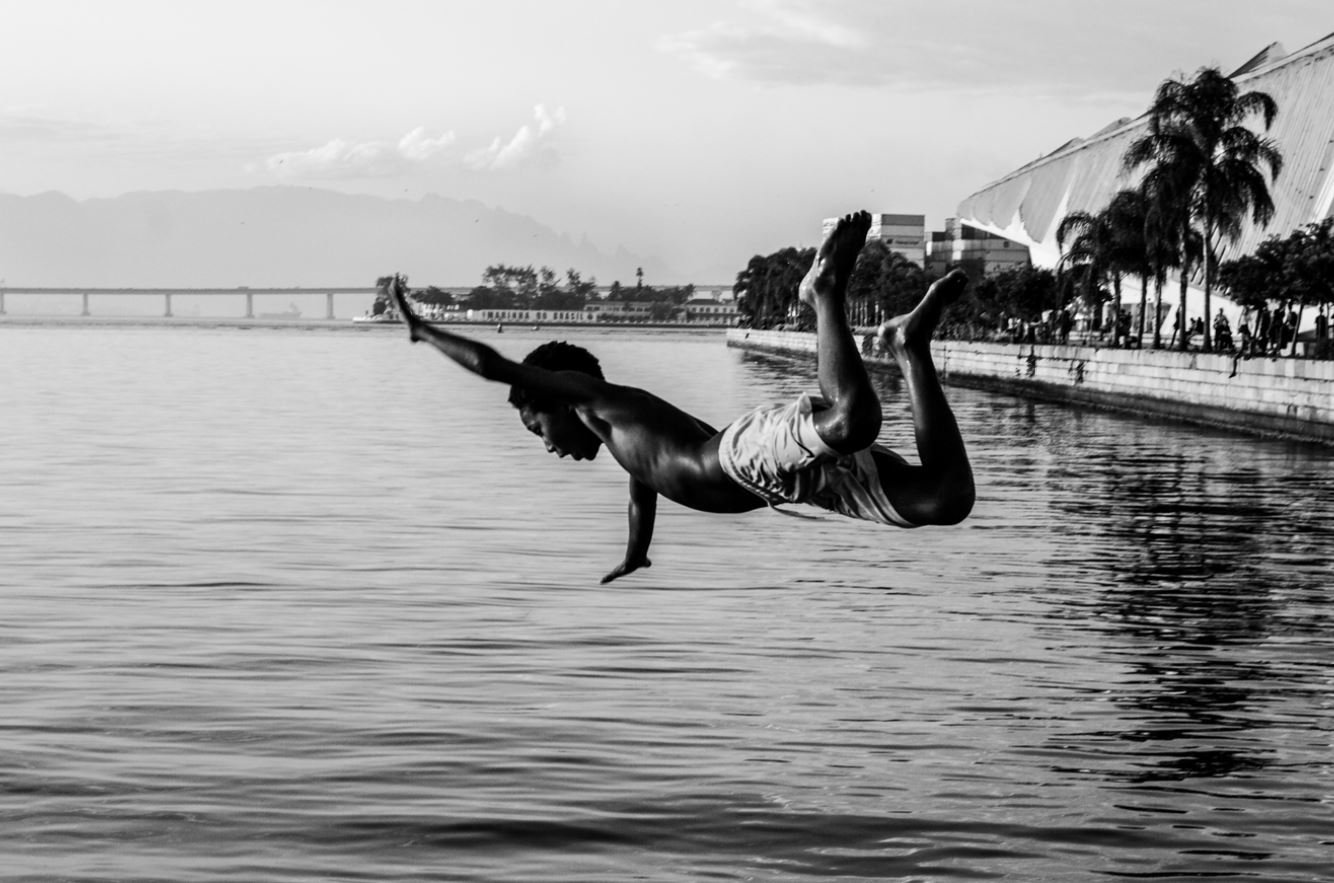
(664, 448)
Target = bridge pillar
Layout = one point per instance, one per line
(249, 305)
(167, 314)
(85, 304)
(328, 305)
(2, 303)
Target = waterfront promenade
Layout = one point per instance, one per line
(1273, 396)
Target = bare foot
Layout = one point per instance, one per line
(400, 300)
(837, 256)
(912, 330)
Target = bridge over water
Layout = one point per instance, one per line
(87, 294)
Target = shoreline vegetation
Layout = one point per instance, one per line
(529, 295)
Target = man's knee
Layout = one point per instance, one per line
(851, 425)
(952, 503)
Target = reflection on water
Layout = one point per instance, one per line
(1215, 569)
(310, 605)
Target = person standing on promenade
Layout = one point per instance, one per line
(816, 450)
(1222, 331)
(1277, 331)
(1262, 321)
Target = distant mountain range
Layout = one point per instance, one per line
(279, 237)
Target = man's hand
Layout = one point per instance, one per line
(625, 567)
(398, 295)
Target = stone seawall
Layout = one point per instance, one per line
(1290, 397)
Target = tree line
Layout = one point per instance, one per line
(505, 287)
(1299, 265)
(884, 283)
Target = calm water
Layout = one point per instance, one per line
(311, 605)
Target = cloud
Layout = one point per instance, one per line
(529, 142)
(873, 43)
(368, 159)
(416, 146)
(1050, 46)
(789, 41)
(341, 159)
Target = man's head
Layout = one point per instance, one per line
(555, 423)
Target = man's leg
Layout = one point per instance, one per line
(852, 420)
(941, 490)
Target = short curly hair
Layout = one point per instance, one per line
(557, 355)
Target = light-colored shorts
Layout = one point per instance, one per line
(775, 453)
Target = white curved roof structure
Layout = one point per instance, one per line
(1083, 174)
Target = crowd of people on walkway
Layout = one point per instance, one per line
(1263, 332)
(1259, 332)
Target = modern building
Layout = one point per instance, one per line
(905, 234)
(1083, 174)
(978, 252)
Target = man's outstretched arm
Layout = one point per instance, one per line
(485, 362)
(643, 512)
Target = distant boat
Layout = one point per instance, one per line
(290, 313)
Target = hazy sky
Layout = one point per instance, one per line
(700, 132)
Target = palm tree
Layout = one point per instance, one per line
(1163, 225)
(1089, 238)
(876, 288)
(787, 268)
(1127, 216)
(1199, 147)
(750, 291)
(1170, 241)
(767, 288)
